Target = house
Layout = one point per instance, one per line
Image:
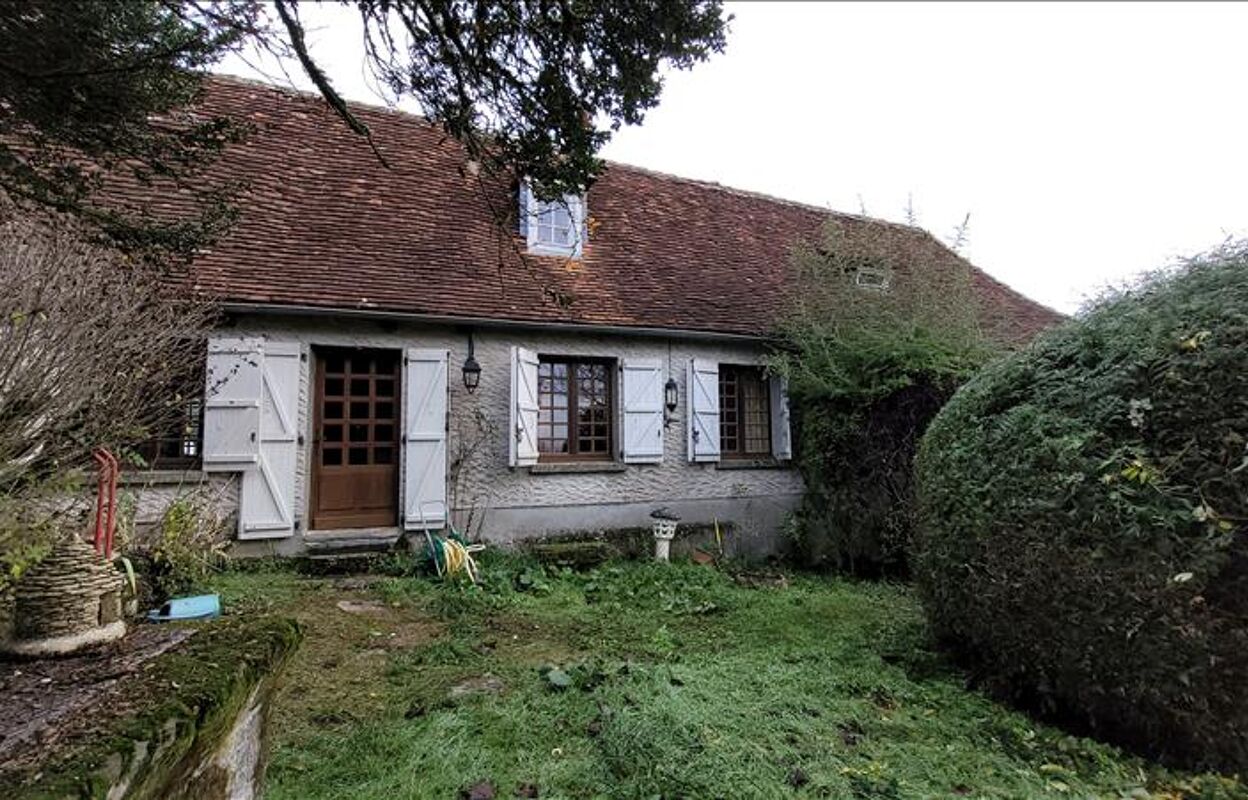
(418, 340)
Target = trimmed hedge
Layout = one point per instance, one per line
(1083, 518)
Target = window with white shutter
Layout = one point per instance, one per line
(702, 400)
(522, 432)
(642, 428)
(267, 493)
(424, 445)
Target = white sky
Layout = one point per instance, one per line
(1088, 141)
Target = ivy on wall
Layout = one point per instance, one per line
(873, 344)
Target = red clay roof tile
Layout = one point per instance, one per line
(324, 223)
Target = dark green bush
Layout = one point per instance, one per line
(857, 513)
(1083, 518)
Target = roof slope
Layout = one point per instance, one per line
(323, 223)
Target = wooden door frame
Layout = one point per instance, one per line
(318, 401)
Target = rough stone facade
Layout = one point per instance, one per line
(505, 504)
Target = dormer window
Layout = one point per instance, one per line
(552, 227)
(872, 278)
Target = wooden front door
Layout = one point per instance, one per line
(355, 467)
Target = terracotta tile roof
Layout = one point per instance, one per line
(323, 223)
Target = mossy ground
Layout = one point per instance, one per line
(182, 701)
(680, 684)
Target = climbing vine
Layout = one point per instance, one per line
(873, 343)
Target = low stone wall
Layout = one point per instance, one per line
(198, 730)
(733, 542)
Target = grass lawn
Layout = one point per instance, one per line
(672, 682)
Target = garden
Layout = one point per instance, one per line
(635, 679)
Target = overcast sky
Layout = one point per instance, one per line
(1087, 141)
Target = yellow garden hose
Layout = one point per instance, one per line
(456, 558)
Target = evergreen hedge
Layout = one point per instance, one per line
(1083, 517)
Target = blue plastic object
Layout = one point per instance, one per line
(204, 606)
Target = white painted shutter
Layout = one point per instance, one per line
(232, 387)
(781, 441)
(523, 429)
(266, 507)
(424, 439)
(524, 201)
(642, 388)
(702, 401)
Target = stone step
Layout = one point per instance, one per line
(330, 543)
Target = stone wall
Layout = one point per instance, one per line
(193, 724)
(505, 504)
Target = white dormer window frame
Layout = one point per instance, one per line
(552, 228)
(872, 278)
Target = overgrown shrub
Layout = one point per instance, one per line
(91, 342)
(868, 367)
(189, 549)
(1083, 506)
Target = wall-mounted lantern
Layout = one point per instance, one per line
(471, 369)
(670, 399)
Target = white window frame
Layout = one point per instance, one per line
(876, 279)
(531, 209)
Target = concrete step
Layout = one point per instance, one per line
(332, 543)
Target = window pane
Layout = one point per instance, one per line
(333, 387)
(359, 433)
(383, 455)
(383, 433)
(332, 433)
(585, 386)
(359, 387)
(359, 409)
(333, 411)
(385, 387)
(552, 403)
(357, 456)
(729, 440)
(383, 411)
(755, 407)
(331, 457)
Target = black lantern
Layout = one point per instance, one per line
(471, 369)
(669, 395)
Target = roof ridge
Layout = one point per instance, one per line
(751, 193)
(611, 164)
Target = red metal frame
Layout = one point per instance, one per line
(106, 502)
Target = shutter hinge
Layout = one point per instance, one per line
(299, 440)
(303, 355)
(403, 438)
(297, 524)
